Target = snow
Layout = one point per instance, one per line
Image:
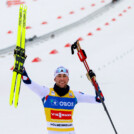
(110, 53)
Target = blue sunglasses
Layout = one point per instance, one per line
(60, 70)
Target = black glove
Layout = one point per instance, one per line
(91, 75)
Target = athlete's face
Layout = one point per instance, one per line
(61, 80)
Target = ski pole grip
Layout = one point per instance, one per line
(82, 55)
(74, 46)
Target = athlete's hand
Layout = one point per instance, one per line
(91, 75)
(97, 96)
(25, 77)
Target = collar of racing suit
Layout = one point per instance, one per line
(61, 91)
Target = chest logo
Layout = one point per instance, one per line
(65, 115)
(55, 102)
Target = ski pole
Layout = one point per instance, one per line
(82, 56)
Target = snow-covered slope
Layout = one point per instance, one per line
(108, 42)
(43, 16)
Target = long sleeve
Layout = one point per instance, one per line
(41, 91)
(84, 98)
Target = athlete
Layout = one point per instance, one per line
(59, 101)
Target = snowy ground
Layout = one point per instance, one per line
(110, 51)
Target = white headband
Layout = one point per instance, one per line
(61, 70)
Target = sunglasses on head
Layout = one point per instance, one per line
(60, 70)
